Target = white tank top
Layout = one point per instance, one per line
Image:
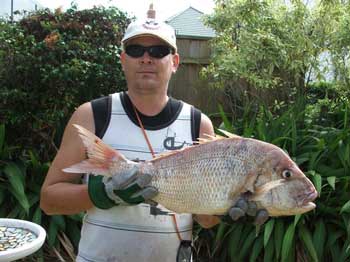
(137, 233)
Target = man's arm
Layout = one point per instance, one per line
(63, 193)
(206, 128)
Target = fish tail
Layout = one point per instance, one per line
(100, 156)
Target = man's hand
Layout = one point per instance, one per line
(244, 208)
(127, 187)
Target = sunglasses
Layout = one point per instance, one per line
(155, 51)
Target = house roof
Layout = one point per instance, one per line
(189, 24)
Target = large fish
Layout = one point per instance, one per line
(210, 177)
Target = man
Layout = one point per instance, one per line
(119, 226)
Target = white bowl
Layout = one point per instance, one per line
(27, 248)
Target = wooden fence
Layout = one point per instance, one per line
(186, 84)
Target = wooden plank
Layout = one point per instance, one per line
(197, 61)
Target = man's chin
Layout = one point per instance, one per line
(148, 84)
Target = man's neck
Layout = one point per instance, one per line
(149, 104)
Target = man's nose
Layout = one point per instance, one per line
(146, 59)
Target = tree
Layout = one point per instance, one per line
(274, 46)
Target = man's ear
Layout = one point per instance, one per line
(122, 59)
(176, 62)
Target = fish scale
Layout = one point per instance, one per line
(209, 178)
(194, 178)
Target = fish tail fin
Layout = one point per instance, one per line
(260, 191)
(100, 155)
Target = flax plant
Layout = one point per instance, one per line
(20, 183)
(323, 153)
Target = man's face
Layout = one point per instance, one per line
(147, 74)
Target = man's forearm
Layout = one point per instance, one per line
(65, 199)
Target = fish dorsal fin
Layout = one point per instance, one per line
(201, 140)
(169, 153)
(228, 134)
(209, 138)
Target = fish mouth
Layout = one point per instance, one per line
(307, 201)
(311, 196)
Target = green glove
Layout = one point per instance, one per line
(128, 187)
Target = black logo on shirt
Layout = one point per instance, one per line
(170, 142)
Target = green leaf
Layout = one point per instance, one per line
(52, 233)
(227, 123)
(77, 217)
(2, 137)
(333, 236)
(73, 231)
(258, 245)
(220, 232)
(219, 237)
(233, 242)
(335, 251)
(269, 250)
(317, 179)
(345, 208)
(37, 216)
(294, 135)
(331, 181)
(268, 230)
(345, 253)
(14, 175)
(288, 242)
(2, 195)
(15, 212)
(296, 219)
(319, 238)
(39, 255)
(34, 161)
(305, 236)
(247, 243)
(278, 237)
(59, 221)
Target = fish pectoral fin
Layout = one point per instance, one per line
(263, 189)
(87, 167)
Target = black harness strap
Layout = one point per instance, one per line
(101, 108)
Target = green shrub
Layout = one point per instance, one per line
(52, 62)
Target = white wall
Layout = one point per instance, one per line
(20, 5)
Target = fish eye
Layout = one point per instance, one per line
(287, 173)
